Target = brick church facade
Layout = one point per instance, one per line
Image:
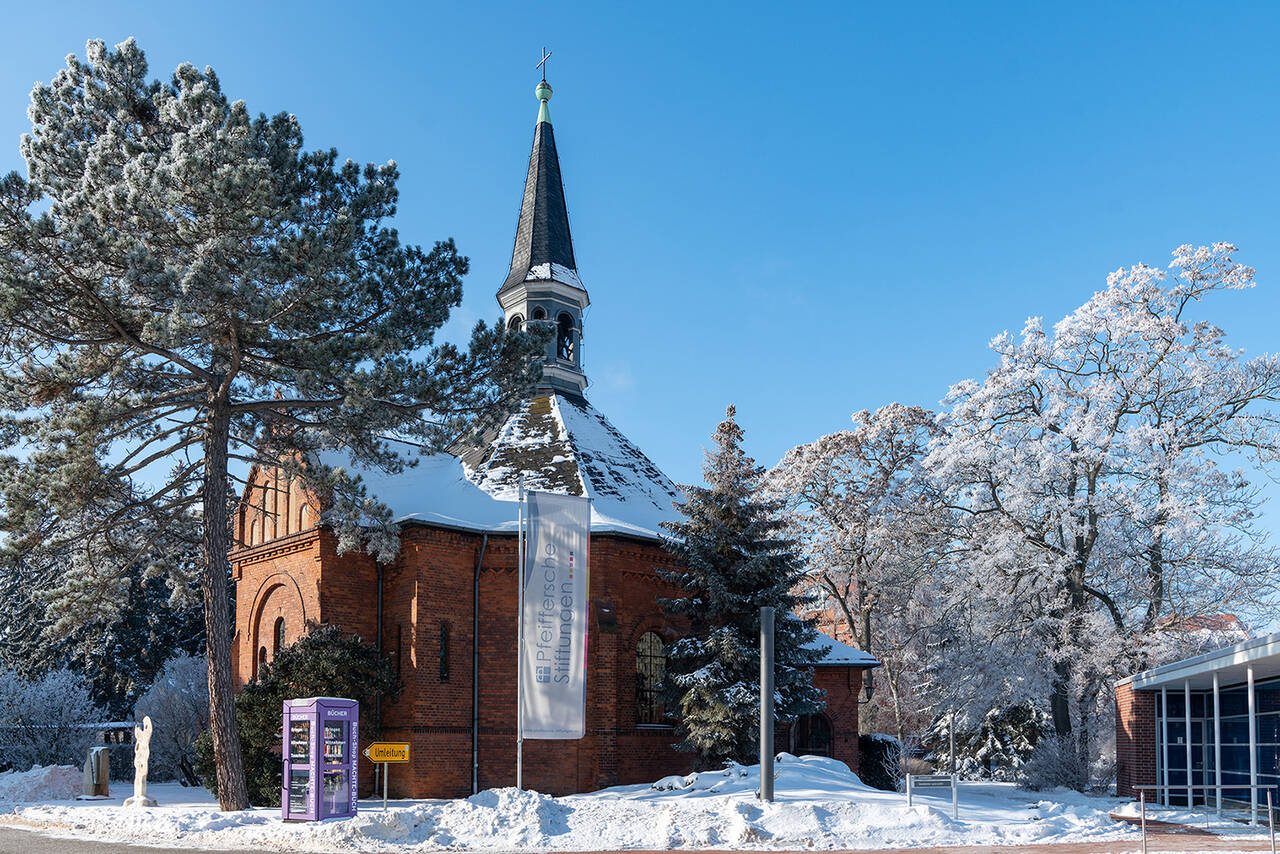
(444, 610)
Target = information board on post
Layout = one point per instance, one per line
(936, 781)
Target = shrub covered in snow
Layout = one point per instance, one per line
(325, 662)
(178, 705)
(46, 721)
(1058, 761)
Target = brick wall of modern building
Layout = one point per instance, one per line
(428, 627)
(1135, 739)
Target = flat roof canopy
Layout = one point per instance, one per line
(1230, 663)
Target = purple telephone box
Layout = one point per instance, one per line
(320, 737)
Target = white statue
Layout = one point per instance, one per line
(141, 756)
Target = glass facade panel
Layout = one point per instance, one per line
(1234, 747)
(1234, 701)
(1268, 729)
(1267, 697)
(1235, 731)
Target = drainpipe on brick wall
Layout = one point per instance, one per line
(378, 767)
(475, 670)
(377, 700)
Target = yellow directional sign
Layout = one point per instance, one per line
(388, 751)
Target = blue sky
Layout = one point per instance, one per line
(803, 209)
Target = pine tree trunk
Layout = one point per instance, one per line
(233, 790)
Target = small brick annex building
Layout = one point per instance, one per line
(445, 609)
(1211, 722)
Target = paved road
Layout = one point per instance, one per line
(17, 841)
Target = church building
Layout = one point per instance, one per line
(445, 609)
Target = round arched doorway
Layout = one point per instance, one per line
(811, 736)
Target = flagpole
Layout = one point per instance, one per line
(520, 641)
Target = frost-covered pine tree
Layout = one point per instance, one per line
(186, 291)
(734, 561)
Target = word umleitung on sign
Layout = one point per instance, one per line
(388, 751)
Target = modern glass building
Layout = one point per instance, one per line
(1212, 720)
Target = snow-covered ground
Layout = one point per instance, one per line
(819, 804)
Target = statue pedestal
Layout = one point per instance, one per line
(139, 801)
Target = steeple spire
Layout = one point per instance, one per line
(543, 282)
(542, 235)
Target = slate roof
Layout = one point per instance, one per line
(561, 443)
(542, 242)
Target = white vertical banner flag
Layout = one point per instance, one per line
(553, 663)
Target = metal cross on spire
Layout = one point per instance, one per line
(542, 64)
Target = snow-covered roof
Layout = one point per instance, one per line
(551, 272)
(1231, 664)
(840, 654)
(560, 444)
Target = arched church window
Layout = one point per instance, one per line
(651, 671)
(444, 651)
(564, 337)
(539, 313)
(516, 322)
(262, 659)
(279, 637)
(811, 736)
(304, 517)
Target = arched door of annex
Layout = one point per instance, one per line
(279, 617)
(811, 736)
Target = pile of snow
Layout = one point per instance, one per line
(40, 784)
(794, 778)
(819, 804)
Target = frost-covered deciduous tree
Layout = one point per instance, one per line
(734, 560)
(178, 705)
(184, 288)
(873, 535)
(47, 720)
(1095, 473)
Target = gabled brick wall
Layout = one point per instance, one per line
(302, 577)
(1135, 740)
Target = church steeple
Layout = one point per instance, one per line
(543, 283)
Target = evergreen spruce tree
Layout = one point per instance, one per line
(734, 562)
(185, 292)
